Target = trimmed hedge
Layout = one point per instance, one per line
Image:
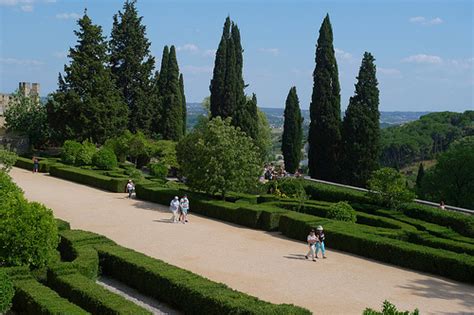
(44, 165)
(91, 296)
(62, 225)
(90, 178)
(31, 297)
(173, 285)
(319, 191)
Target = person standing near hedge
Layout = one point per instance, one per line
(174, 207)
(312, 240)
(184, 205)
(320, 241)
(130, 188)
(35, 164)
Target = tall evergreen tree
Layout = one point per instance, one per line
(87, 105)
(361, 127)
(132, 66)
(218, 81)
(324, 131)
(171, 100)
(292, 139)
(183, 101)
(420, 175)
(246, 118)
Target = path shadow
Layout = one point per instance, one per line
(164, 221)
(295, 257)
(442, 289)
(145, 205)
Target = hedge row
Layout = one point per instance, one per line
(173, 285)
(90, 178)
(319, 191)
(31, 297)
(340, 235)
(44, 165)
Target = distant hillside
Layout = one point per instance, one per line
(424, 138)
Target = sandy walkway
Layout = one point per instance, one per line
(262, 264)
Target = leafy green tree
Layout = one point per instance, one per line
(419, 176)
(87, 105)
(69, 151)
(7, 159)
(104, 159)
(452, 178)
(264, 136)
(85, 153)
(292, 138)
(388, 187)
(325, 110)
(28, 116)
(361, 127)
(132, 67)
(219, 159)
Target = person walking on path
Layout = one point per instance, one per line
(184, 206)
(130, 188)
(312, 239)
(174, 208)
(320, 241)
(35, 164)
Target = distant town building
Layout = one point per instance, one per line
(25, 88)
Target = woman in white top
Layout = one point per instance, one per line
(312, 240)
(174, 208)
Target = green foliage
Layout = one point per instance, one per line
(452, 178)
(44, 164)
(85, 154)
(389, 309)
(104, 159)
(288, 187)
(423, 139)
(69, 151)
(361, 128)
(158, 170)
(419, 176)
(87, 104)
(292, 138)
(342, 211)
(325, 110)
(28, 116)
(264, 137)
(183, 102)
(28, 232)
(135, 147)
(6, 292)
(388, 187)
(219, 158)
(165, 152)
(7, 160)
(132, 64)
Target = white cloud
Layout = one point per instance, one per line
(426, 21)
(21, 62)
(272, 51)
(343, 55)
(188, 47)
(27, 8)
(24, 5)
(422, 58)
(197, 69)
(389, 71)
(67, 16)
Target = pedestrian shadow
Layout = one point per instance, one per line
(295, 257)
(163, 221)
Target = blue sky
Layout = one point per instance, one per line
(423, 49)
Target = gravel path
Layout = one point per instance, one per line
(266, 265)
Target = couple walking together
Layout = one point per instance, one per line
(316, 242)
(180, 209)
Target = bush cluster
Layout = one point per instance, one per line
(341, 211)
(6, 292)
(104, 159)
(158, 170)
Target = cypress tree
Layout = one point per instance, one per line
(292, 139)
(172, 103)
(183, 100)
(420, 175)
(132, 66)
(87, 104)
(217, 86)
(361, 128)
(324, 132)
(246, 117)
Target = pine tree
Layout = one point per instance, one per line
(172, 103)
(183, 100)
(420, 175)
(87, 105)
(132, 66)
(324, 132)
(292, 139)
(361, 128)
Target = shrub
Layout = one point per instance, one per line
(158, 170)
(69, 151)
(389, 309)
(290, 187)
(85, 154)
(6, 292)
(388, 187)
(341, 211)
(104, 159)
(7, 159)
(27, 164)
